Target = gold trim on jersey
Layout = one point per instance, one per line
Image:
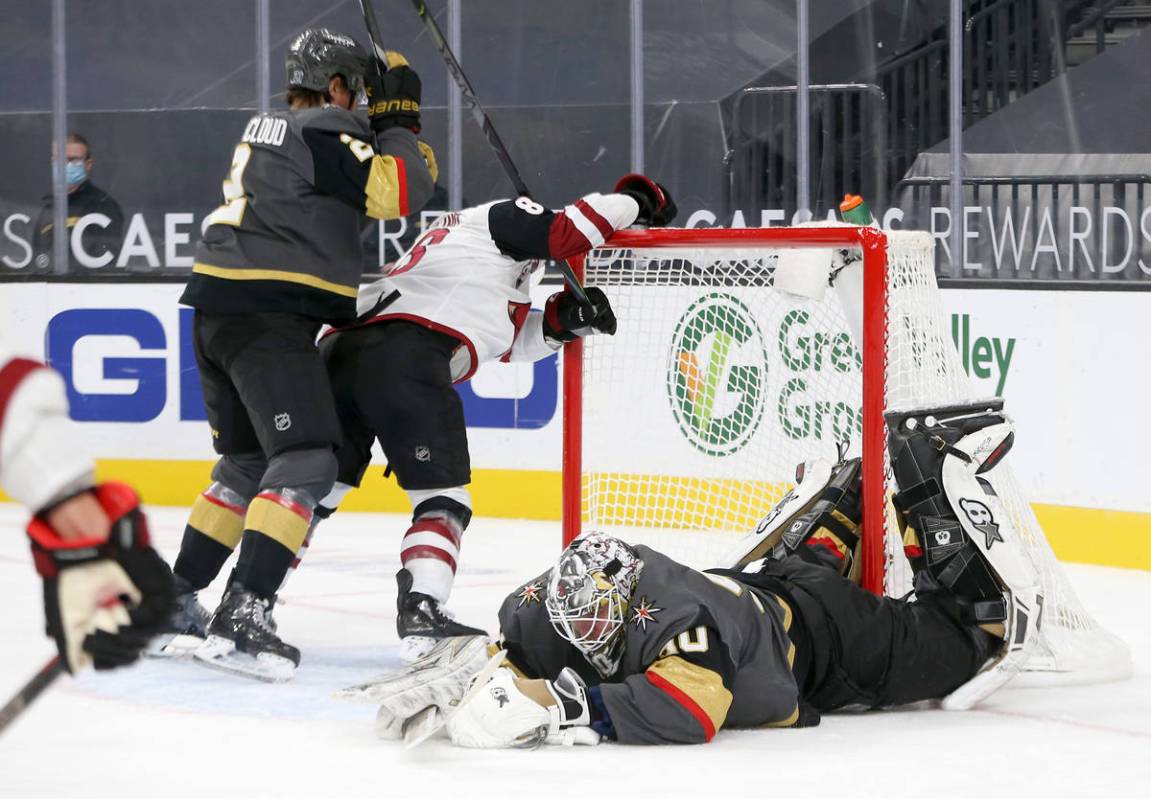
(383, 189)
(277, 522)
(221, 524)
(701, 684)
(787, 722)
(275, 274)
(429, 158)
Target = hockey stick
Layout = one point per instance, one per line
(377, 40)
(481, 117)
(32, 689)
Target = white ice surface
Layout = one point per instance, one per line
(167, 729)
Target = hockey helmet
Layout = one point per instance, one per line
(317, 54)
(589, 592)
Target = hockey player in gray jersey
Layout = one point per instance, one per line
(281, 257)
(622, 643)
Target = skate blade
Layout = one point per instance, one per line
(414, 647)
(222, 655)
(423, 726)
(172, 645)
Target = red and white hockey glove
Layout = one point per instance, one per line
(104, 598)
(656, 207)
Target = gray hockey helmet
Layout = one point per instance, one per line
(317, 54)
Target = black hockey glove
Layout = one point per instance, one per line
(656, 207)
(103, 599)
(394, 99)
(566, 318)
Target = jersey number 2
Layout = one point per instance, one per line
(235, 201)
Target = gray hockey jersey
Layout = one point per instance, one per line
(701, 651)
(287, 237)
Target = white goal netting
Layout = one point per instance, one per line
(717, 385)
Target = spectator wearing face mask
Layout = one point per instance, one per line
(99, 236)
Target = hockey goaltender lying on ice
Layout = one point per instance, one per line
(620, 642)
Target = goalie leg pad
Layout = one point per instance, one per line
(942, 554)
(818, 521)
(811, 478)
(972, 547)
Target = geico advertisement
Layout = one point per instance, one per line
(127, 358)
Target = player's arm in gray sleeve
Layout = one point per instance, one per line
(388, 181)
(682, 697)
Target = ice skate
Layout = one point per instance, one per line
(185, 629)
(242, 640)
(421, 622)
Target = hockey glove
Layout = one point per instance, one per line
(104, 599)
(394, 99)
(511, 712)
(656, 207)
(566, 318)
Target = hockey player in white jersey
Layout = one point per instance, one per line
(457, 299)
(106, 591)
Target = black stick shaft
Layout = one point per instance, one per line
(470, 99)
(374, 35)
(32, 689)
(468, 94)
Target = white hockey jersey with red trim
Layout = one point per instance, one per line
(469, 274)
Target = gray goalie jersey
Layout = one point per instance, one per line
(701, 651)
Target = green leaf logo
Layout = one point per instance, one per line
(717, 374)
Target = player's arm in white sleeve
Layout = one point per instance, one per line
(523, 229)
(39, 461)
(105, 595)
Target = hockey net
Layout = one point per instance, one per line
(685, 428)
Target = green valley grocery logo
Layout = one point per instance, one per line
(717, 374)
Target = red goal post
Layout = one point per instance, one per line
(872, 243)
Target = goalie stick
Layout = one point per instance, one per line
(31, 690)
(481, 117)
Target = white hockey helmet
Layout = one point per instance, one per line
(589, 592)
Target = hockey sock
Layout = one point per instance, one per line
(200, 558)
(430, 550)
(328, 505)
(214, 527)
(274, 529)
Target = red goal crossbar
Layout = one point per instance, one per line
(873, 244)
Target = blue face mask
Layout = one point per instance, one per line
(74, 174)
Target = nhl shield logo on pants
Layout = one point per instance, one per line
(282, 421)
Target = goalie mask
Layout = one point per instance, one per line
(589, 592)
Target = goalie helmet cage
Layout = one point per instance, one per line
(685, 428)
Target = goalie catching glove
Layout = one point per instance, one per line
(103, 599)
(566, 318)
(508, 711)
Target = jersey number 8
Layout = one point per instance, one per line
(529, 206)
